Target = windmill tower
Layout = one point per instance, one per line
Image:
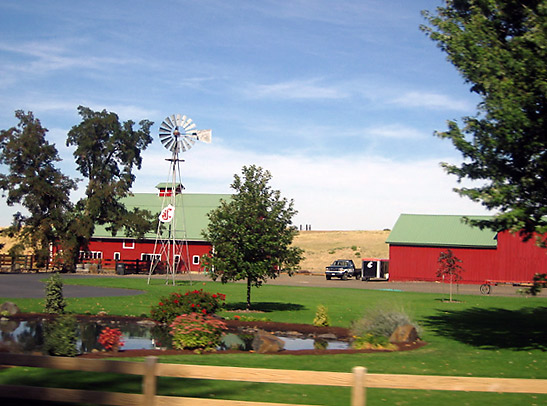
(177, 134)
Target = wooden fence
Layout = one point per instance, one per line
(150, 369)
(18, 263)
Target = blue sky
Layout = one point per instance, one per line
(338, 100)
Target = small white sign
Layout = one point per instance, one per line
(167, 214)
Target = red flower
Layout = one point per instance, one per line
(175, 301)
(161, 303)
(204, 311)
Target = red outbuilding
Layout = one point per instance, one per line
(417, 240)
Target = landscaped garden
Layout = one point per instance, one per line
(479, 336)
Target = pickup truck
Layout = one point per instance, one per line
(343, 269)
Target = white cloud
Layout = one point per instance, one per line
(395, 131)
(296, 89)
(330, 193)
(434, 101)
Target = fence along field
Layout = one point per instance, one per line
(150, 369)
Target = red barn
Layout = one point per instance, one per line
(417, 240)
(191, 211)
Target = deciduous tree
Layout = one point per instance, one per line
(107, 153)
(35, 182)
(251, 234)
(500, 49)
(449, 267)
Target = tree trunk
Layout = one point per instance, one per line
(248, 293)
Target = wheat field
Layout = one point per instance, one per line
(323, 247)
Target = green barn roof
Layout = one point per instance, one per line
(440, 230)
(191, 211)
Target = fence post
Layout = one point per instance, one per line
(358, 391)
(149, 381)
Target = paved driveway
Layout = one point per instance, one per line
(32, 285)
(29, 285)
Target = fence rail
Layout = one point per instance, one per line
(150, 369)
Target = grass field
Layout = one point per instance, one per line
(481, 336)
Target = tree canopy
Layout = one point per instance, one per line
(252, 234)
(107, 153)
(500, 49)
(35, 182)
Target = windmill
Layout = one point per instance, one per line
(177, 134)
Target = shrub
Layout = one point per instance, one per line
(381, 321)
(111, 339)
(197, 331)
(372, 342)
(321, 316)
(196, 301)
(60, 336)
(55, 302)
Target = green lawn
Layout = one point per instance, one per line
(480, 336)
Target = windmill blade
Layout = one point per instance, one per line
(190, 127)
(205, 136)
(174, 120)
(167, 142)
(169, 122)
(165, 128)
(187, 143)
(179, 121)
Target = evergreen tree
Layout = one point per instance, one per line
(252, 234)
(500, 49)
(55, 301)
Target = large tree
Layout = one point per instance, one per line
(251, 234)
(500, 49)
(35, 182)
(107, 154)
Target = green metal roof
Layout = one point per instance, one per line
(191, 211)
(440, 230)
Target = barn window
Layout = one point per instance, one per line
(91, 255)
(128, 244)
(150, 257)
(195, 260)
(117, 256)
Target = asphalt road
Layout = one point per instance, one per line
(32, 285)
(29, 285)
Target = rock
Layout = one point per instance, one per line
(9, 309)
(265, 342)
(404, 334)
(327, 336)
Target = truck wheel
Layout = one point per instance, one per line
(345, 277)
(328, 277)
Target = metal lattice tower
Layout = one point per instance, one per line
(177, 134)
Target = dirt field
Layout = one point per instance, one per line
(323, 247)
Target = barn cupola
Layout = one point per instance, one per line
(166, 189)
